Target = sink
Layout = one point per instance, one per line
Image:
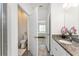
(76, 39)
(65, 41)
(76, 44)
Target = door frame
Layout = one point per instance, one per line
(27, 22)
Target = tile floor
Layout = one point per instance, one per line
(27, 53)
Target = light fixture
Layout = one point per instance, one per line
(68, 5)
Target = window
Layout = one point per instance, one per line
(42, 28)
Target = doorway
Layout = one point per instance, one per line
(22, 32)
(44, 29)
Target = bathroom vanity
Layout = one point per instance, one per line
(57, 50)
(62, 47)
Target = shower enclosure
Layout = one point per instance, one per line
(3, 29)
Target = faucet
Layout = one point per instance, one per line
(70, 35)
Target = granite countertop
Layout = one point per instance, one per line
(72, 49)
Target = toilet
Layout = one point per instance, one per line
(23, 44)
(23, 41)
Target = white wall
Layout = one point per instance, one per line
(12, 24)
(22, 24)
(57, 18)
(42, 13)
(33, 32)
(28, 7)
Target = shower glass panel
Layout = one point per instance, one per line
(3, 29)
(0, 29)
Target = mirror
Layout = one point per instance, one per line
(71, 15)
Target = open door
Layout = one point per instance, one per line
(33, 32)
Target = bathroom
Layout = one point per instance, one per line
(44, 23)
(22, 31)
(37, 30)
(38, 33)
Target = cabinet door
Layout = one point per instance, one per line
(52, 51)
(60, 51)
(57, 50)
(53, 48)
